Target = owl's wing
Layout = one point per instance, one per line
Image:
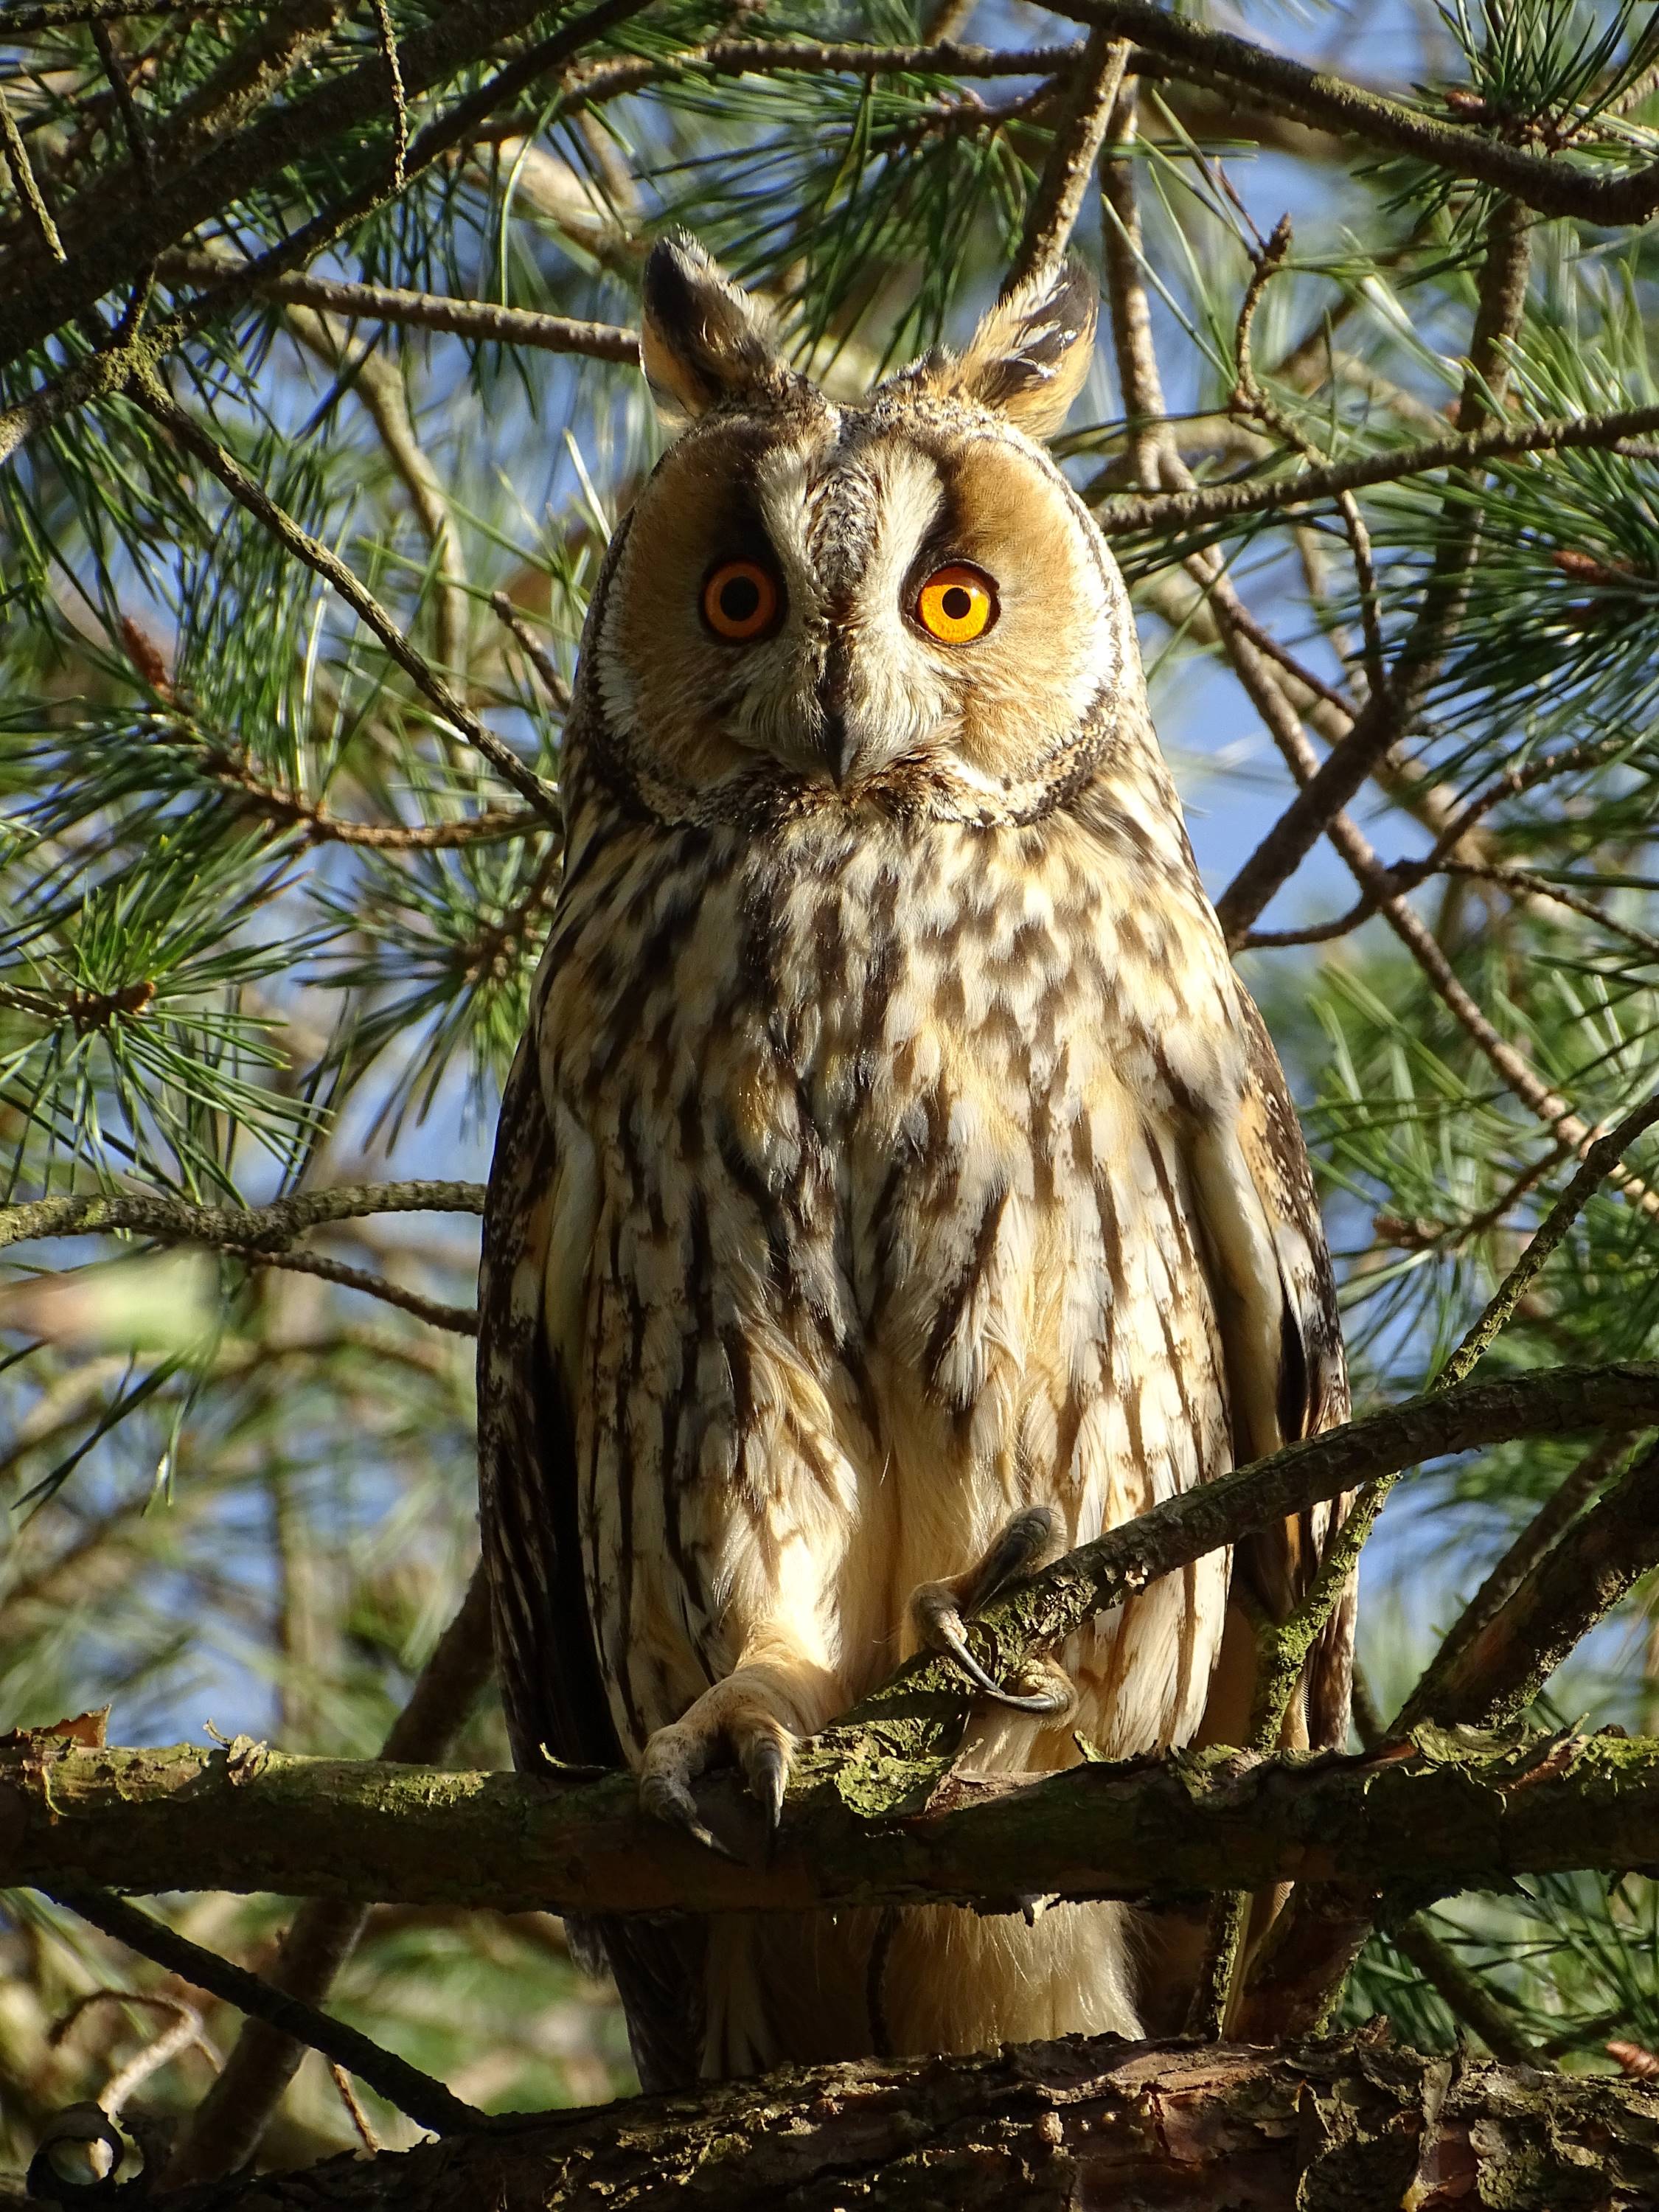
(1271, 1277)
(550, 1683)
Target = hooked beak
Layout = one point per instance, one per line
(839, 749)
(838, 746)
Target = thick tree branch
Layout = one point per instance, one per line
(1463, 1812)
(1040, 2127)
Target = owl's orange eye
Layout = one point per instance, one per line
(739, 601)
(956, 604)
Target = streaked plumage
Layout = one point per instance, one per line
(892, 1147)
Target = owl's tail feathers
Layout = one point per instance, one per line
(873, 1982)
(1029, 1539)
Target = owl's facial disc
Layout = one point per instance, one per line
(846, 592)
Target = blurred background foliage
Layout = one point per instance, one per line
(267, 925)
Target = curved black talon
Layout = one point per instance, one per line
(768, 1771)
(667, 1798)
(947, 1636)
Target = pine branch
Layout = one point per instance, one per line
(1496, 1672)
(480, 319)
(1528, 1549)
(1128, 513)
(922, 1705)
(1393, 706)
(317, 825)
(248, 492)
(1452, 1815)
(378, 387)
(1229, 64)
(110, 228)
(256, 1229)
(1600, 1164)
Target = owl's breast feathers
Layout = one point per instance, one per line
(909, 1170)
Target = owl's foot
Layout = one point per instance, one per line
(733, 1720)
(1026, 1542)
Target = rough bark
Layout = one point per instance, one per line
(1337, 2127)
(1446, 1814)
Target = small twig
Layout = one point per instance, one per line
(482, 319)
(490, 825)
(143, 160)
(366, 2135)
(461, 1320)
(185, 2035)
(535, 651)
(425, 2100)
(1494, 1676)
(1529, 883)
(1466, 1996)
(1249, 398)
(183, 2032)
(138, 145)
(1589, 753)
(400, 104)
(1598, 1163)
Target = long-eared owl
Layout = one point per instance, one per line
(894, 1180)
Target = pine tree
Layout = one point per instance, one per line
(318, 402)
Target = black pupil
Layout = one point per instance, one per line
(957, 602)
(739, 598)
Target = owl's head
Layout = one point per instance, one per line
(904, 595)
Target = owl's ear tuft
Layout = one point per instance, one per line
(1028, 357)
(702, 342)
